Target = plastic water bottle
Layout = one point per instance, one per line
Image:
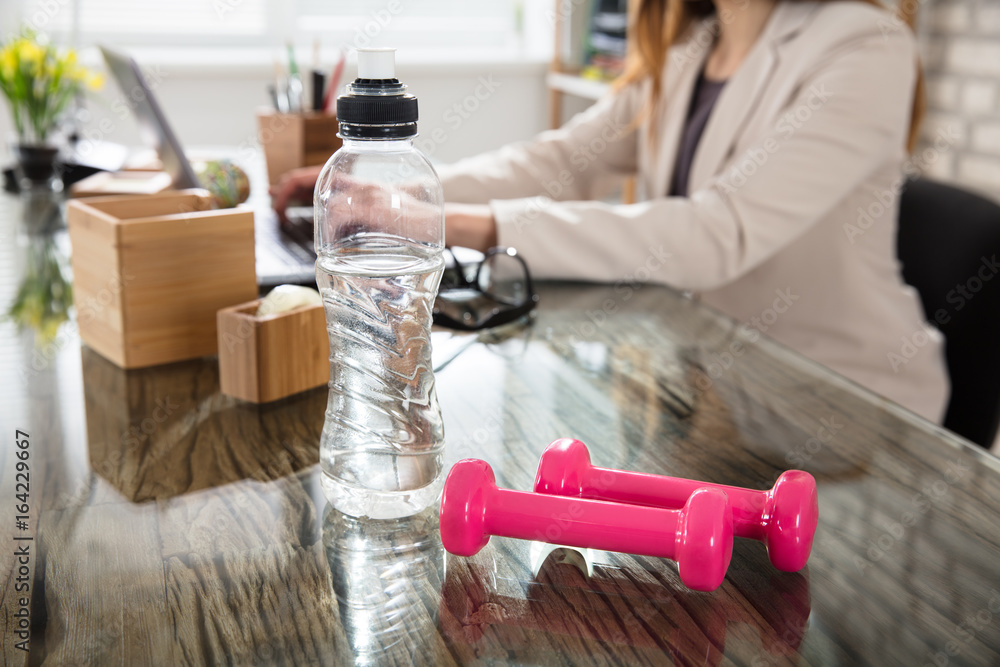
(379, 237)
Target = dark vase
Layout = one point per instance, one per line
(37, 166)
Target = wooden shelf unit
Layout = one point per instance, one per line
(562, 80)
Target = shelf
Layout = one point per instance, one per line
(576, 85)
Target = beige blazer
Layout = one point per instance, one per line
(791, 222)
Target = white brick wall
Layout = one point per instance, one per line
(986, 138)
(960, 46)
(988, 18)
(979, 98)
(978, 170)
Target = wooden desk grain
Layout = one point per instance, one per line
(174, 525)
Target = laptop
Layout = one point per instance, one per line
(283, 254)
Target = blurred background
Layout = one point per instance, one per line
(210, 61)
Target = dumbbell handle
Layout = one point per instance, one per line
(638, 488)
(578, 522)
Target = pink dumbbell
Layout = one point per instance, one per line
(784, 517)
(699, 536)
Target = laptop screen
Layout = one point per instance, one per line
(153, 126)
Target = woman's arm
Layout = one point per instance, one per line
(469, 226)
(581, 160)
(723, 230)
(584, 159)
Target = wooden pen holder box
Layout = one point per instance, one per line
(262, 359)
(151, 272)
(293, 140)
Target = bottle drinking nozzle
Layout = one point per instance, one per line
(377, 64)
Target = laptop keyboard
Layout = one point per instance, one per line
(285, 255)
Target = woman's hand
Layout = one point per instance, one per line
(470, 226)
(466, 225)
(297, 184)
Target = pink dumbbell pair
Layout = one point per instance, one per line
(576, 504)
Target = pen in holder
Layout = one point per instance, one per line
(293, 140)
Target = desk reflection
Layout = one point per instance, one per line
(162, 432)
(387, 578)
(627, 607)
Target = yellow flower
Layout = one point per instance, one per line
(95, 81)
(30, 52)
(38, 78)
(46, 333)
(8, 63)
(33, 55)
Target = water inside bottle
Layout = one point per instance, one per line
(382, 441)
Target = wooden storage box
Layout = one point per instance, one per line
(292, 140)
(262, 359)
(151, 272)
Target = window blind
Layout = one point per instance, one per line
(413, 24)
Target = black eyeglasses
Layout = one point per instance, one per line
(495, 291)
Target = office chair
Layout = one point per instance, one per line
(949, 243)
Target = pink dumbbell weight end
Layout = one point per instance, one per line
(784, 517)
(699, 536)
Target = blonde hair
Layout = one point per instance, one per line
(655, 25)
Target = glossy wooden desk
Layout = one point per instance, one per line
(174, 525)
